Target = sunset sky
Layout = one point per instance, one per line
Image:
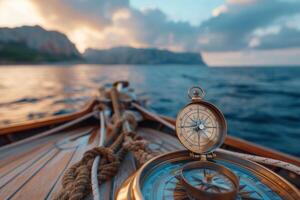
(231, 32)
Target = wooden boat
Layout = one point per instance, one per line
(37, 153)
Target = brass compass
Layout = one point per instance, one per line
(201, 128)
(201, 172)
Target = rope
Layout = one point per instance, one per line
(139, 147)
(264, 160)
(94, 175)
(78, 181)
(153, 116)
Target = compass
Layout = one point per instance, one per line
(201, 128)
(200, 172)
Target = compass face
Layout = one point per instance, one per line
(209, 180)
(161, 180)
(201, 127)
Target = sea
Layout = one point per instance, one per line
(260, 104)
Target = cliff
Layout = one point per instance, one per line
(35, 44)
(129, 55)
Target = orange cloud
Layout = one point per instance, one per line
(89, 24)
(19, 12)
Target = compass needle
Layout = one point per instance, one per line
(204, 173)
(210, 127)
(204, 133)
(192, 119)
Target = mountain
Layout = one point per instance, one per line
(34, 44)
(129, 55)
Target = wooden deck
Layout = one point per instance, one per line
(33, 170)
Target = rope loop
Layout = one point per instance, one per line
(130, 118)
(104, 152)
(76, 181)
(139, 147)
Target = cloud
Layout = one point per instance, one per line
(232, 27)
(285, 38)
(73, 13)
(152, 28)
(88, 23)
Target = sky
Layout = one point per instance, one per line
(226, 32)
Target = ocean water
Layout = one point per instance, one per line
(261, 104)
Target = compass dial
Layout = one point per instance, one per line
(201, 127)
(209, 180)
(161, 179)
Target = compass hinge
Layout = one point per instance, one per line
(210, 156)
(203, 157)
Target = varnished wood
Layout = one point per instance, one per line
(17, 128)
(15, 165)
(40, 185)
(15, 184)
(39, 176)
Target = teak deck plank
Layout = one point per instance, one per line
(92, 142)
(127, 168)
(11, 150)
(160, 141)
(23, 156)
(20, 151)
(57, 185)
(38, 166)
(16, 183)
(11, 172)
(46, 177)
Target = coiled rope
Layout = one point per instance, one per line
(77, 180)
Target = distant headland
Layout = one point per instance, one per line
(129, 55)
(34, 44)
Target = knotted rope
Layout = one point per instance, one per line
(76, 182)
(139, 147)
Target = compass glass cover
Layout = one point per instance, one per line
(200, 127)
(209, 180)
(163, 182)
